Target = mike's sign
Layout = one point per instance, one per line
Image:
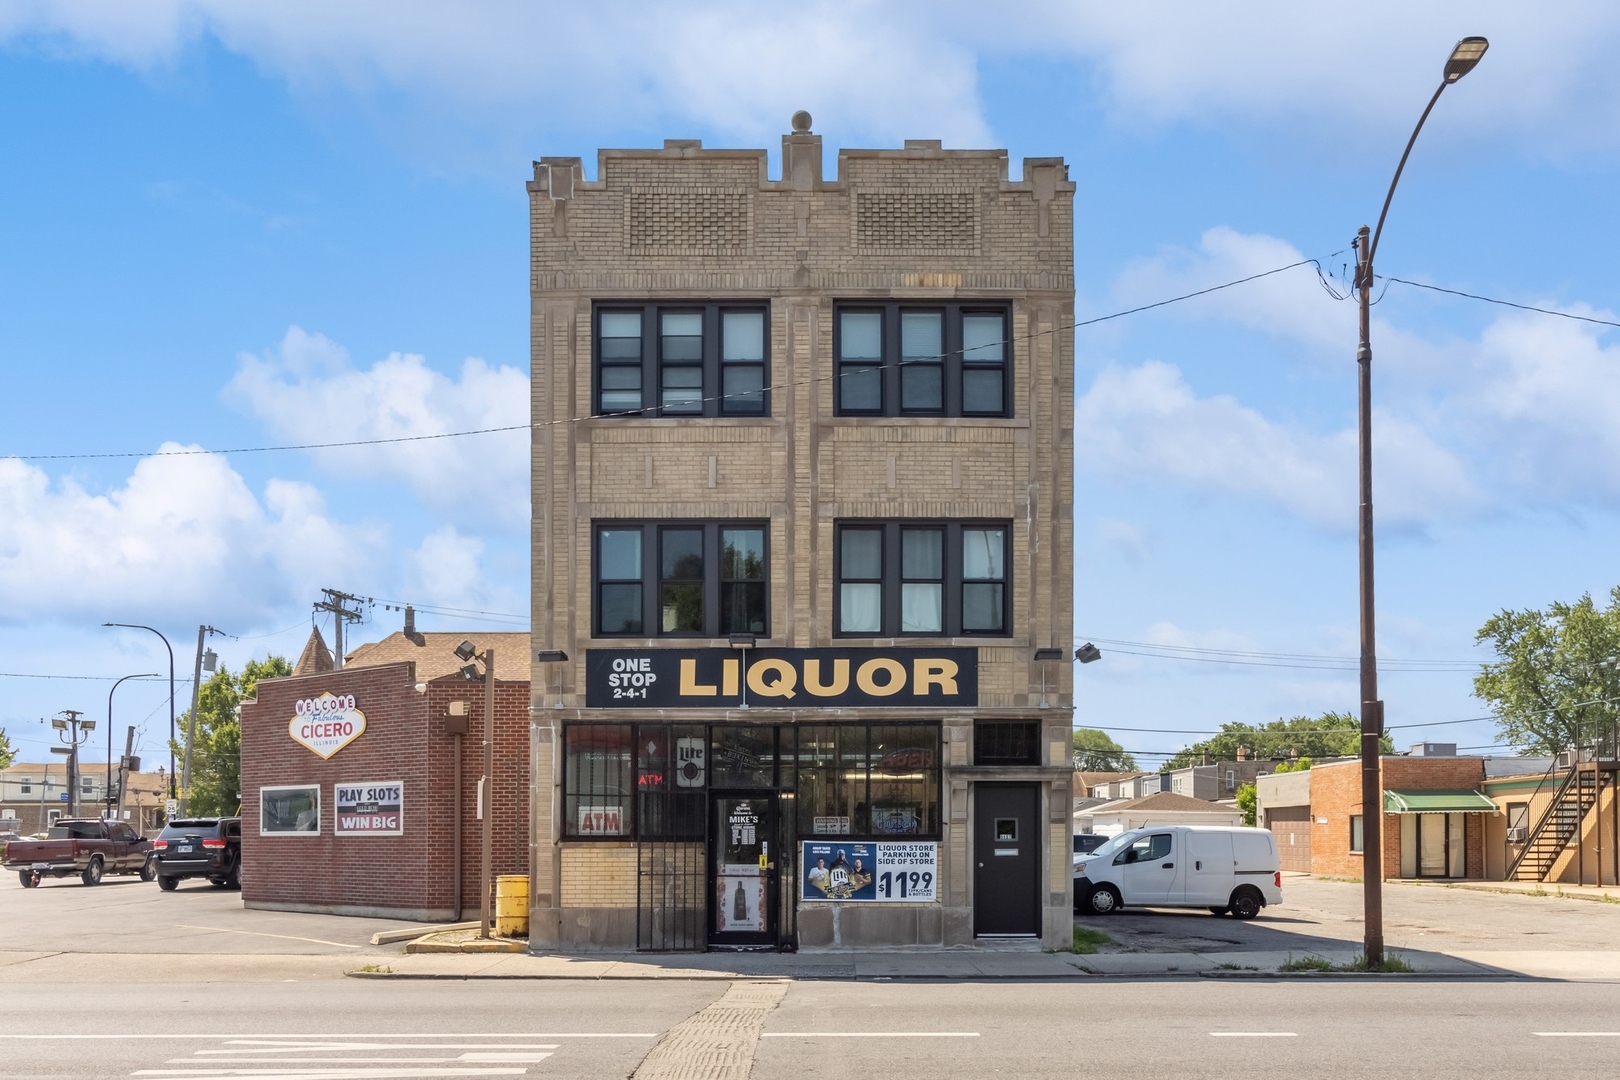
(781, 678)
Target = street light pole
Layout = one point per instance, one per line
(166, 645)
(107, 793)
(1463, 57)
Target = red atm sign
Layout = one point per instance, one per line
(370, 809)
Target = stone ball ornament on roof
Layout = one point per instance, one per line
(801, 123)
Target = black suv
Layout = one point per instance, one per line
(209, 847)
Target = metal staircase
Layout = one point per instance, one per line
(1575, 798)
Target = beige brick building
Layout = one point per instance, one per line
(802, 516)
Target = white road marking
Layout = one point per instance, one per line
(327, 1074)
(328, 1060)
(485, 1055)
(869, 1035)
(1255, 1034)
(266, 1046)
(1579, 1034)
(283, 937)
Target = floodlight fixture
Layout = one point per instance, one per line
(1043, 655)
(551, 656)
(470, 673)
(743, 641)
(1087, 653)
(466, 651)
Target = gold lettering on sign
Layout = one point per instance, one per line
(689, 684)
(781, 686)
(728, 677)
(840, 678)
(896, 681)
(931, 673)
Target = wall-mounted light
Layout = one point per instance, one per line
(1087, 653)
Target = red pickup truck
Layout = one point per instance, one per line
(87, 847)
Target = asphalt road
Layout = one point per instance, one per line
(329, 1029)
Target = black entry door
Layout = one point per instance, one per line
(1006, 861)
(742, 859)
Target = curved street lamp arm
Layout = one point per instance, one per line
(1379, 231)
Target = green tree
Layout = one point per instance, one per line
(7, 754)
(1333, 734)
(1246, 802)
(1302, 765)
(1556, 681)
(1094, 751)
(216, 760)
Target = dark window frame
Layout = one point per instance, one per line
(892, 579)
(1006, 742)
(953, 362)
(715, 400)
(1358, 825)
(652, 580)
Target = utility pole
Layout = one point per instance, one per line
(337, 603)
(124, 770)
(73, 732)
(191, 724)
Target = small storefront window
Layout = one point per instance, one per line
(290, 811)
(599, 770)
(868, 781)
(1356, 839)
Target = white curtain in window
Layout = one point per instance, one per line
(860, 609)
(982, 555)
(922, 608)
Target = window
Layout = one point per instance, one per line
(1231, 780)
(685, 579)
(599, 771)
(26, 783)
(943, 578)
(1007, 742)
(1518, 822)
(290, 811)
(1146, 849)
(682, 360)
(874, 781)
(87, 785)
(1356, 837)
(906, 360)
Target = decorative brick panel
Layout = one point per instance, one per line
(917, 221)
(687, 221)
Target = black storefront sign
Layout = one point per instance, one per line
(787, 678)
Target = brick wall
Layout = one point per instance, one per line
(1336, 795)
(405, 740)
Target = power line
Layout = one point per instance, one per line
(1503, 303)
(531, 426)
(1265, 655)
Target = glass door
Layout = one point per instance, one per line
(742, 864)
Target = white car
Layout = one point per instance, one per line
(1227, 870)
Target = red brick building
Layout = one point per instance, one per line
(350, 798)
(1433, 821)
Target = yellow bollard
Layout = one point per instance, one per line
(511, 905)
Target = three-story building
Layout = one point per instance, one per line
(802, 528)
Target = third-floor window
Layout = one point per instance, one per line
(915, 360)
(702, 359)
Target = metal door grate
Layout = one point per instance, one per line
(671, 886)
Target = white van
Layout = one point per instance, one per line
(1222, 868)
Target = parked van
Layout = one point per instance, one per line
(1227, 870)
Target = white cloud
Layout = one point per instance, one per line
(743, 68)
(183, 534)
(1131, 541)
(1146, 421)
(306, 391)
(447, 570)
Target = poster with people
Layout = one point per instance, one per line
(873, 872)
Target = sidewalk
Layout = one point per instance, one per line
(1607, 894)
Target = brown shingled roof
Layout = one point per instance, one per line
(316, 657)
(435, 654)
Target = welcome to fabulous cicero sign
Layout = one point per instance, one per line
(782, 678)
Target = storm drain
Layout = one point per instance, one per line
(719, 1042)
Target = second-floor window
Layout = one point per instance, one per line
(682, 359)
(921, 577)
(680, 579)
(905, 360)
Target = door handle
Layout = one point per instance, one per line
(1198, 866)
(1169, 866)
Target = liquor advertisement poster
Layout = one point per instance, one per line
(855, 870)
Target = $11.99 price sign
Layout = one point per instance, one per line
(870, 872)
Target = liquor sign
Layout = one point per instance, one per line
(872, 872)
(795, 678)
(326, 724)
(376, 809)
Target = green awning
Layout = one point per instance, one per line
(1437, 802)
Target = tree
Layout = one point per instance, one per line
(216, 760)
(1556, 682)
(7, 754)
(1333, 734)
(1247, 796)
(1301, 765)
(1094, 751)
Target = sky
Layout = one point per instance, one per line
(246, 224)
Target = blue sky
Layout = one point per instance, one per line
(243, 224)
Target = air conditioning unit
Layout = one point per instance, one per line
(1566, 760)
(1517, 835)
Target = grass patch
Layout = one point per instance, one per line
(1235, 967)
(1390, 963)
(1086, 939)
(1305, 963)
(375, 969)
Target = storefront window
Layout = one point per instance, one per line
(598, 774)
(290, 811)
(904, 784)
(670, 777)
(743, 757)
(868, 781)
